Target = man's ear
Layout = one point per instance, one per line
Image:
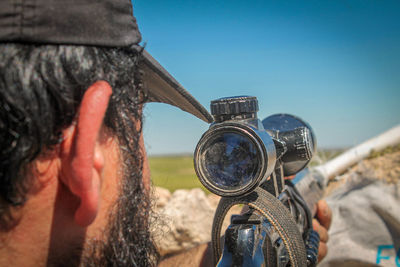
(82, 158)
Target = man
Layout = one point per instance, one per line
(74, 182)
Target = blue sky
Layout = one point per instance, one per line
(336, 64)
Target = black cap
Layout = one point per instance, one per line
(107, 23)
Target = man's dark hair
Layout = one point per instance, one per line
(41, 87)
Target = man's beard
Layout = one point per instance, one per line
(128, 241)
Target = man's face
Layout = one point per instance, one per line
(128, 242)
(122, 236)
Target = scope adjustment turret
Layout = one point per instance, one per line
(237, 107)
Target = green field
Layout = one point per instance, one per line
(177, 172)
(174, 172)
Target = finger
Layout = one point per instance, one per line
(324, 214)
(322, 251)
(323, 233)
(290, 177)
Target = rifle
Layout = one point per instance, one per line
(244, 161)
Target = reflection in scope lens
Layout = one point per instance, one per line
(230, 161)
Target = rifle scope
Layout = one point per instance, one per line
(236, 154)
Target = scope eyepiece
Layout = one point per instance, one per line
(239, 152)
(232, 159)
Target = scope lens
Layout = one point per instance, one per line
(230, 160)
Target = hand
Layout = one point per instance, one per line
(321, 224)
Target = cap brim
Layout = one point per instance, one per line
(161, 87)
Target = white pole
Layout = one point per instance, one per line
(344, 161)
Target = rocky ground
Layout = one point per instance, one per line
(184, 218)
